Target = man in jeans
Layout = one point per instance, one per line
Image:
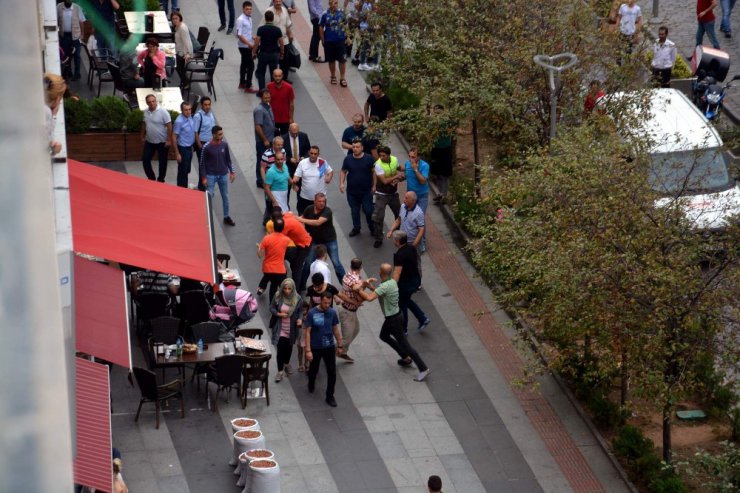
(156, 133)
(245, 43)
(358, 172)
(216, 167)
(264, 130)
(319, 221)
(268, 47)
(387, 294)
(222, 15)
(322, 329)
(184, 138)
(388, 175)
(408, 276)
(351, 302)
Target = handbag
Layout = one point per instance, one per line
(294, 56)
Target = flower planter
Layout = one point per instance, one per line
(98, 146)
(107, 146)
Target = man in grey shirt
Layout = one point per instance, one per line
(264, 129)
(156, 133)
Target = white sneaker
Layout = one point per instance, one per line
(280, 374)
(363, 67)
(422, 375)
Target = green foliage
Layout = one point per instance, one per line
(134, 120)
(173, 115)
(77, 115)
(109, 113)
(402, 98)
(467, 208)
(607, 415)
(718, 472)
(717, 396)
(643, 464)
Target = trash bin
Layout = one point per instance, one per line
(710, 61)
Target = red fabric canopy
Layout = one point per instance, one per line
(140, 222)
(93, 465)
(101, 312)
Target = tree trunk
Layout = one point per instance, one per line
(476, 158)
(625, 380)
(667, 452)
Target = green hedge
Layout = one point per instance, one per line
(643, 464)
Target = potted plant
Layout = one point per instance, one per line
(104, 129)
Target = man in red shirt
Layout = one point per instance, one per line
(283, 101)
(272, 252)
(705, 22)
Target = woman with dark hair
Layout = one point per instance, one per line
(153, 61)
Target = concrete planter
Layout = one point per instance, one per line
(107, 146)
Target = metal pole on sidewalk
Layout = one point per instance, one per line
(555, 65)
(35, 450)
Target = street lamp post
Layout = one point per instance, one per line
(555, 65)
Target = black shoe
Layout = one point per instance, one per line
(355, 61)
(229, 221)
(221, 27)
(404, 362)
(378, 243)
(331, 401)
(311, 387)
(728, 34)
(230, 30)
(354, 232)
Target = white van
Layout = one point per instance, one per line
(688, 159)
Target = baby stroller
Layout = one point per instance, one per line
(233, 308)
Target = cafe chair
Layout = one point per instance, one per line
(98, 60)
(203, 52)
(149, 306)
(226, 373)
(118, 85)
(252, 333)
(203, 71)
(193, 307)
(208, 331)
(151, 392)
(165, 329)
(223, 259)
(257, 369)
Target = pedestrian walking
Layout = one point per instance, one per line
(629, 22)
(286, 323)
(222, 5)
(725, 26)
(281, 19)
(216, 168)
(70, 19)
(203, 121)
(664, 57)
(334, 38)
(264, 130)
(358, 173)
(325, 343)
(347, 310)
(296, 148)
(407, 274)
(183, 139)
(282, 101)
(156, 133)
(378, 103)
(277, 182)
(245, 43)
(272, 250)
(312, 175)
(411, 221)
(705, 22)
(319, 221)
(440, 160)
(387, 294)
(387, 177)
(268, 48)
(314, 11)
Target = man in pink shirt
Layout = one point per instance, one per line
(283, 101)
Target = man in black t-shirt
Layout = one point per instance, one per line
(378, 103)
(268, 46)
(358, 171)
(319, 222)
(407, 275)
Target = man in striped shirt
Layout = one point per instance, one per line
(351, 302)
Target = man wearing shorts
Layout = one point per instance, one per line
(333, 38)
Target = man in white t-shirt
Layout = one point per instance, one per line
(321, 264)
(629, 20)
(313, 174)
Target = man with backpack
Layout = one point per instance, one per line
(203, 123)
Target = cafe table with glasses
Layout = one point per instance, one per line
(167, 97)
(135, 20)
(166, 355)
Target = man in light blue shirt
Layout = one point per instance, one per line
(245, 43)
(417, 178)
(203, 122)
(183, 136)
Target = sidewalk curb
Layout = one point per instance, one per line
(463, 238)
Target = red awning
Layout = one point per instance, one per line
(93, 465)
(101, 312)
(140, 222)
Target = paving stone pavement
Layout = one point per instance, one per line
(466, 423)
(680, 18)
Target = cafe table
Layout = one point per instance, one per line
(135, 22)
(210, 352)
(169, 98)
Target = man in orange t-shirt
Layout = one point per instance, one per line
(300, 238)
(272, 252)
